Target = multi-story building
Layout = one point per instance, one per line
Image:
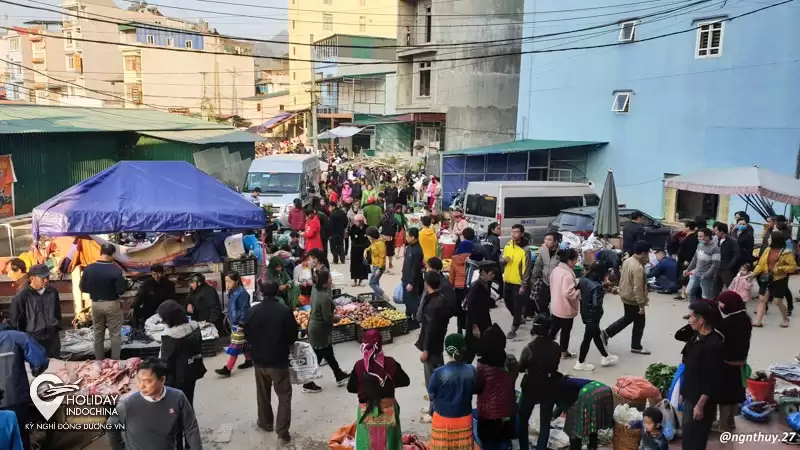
(273, 76)
(670, 93)
(314, 20)
(194, 80)
(18, 50)
(36, 61)
(453, 101)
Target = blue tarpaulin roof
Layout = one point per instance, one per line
(146, 196)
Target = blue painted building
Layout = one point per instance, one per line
(168, 38)
(724, 93)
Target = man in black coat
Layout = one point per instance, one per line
(203, 301)
(152, 292)
(433, 318)
(633, 232)
(412, 276)
(729, 256)
(36, 310)
(271, 331)
(338, 227)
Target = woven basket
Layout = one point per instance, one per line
(626, 438)
(620, 400)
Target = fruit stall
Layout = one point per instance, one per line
(357, 314)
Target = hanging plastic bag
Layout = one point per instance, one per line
(397, 295)
(669, 423)
(303, 364)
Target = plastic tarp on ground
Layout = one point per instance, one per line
(146, 196)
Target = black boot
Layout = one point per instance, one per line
(223, 372)
(248, 363)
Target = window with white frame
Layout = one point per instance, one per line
(627, 31)
(425, 79)
(622, 102)
(41, 94)
(709, 39)
(38, 46)
(170, 42)
(13, 44)
(187, 44)
(70, 63)
(68, 35)
(327, 21)
(362, 23)
(150, 39)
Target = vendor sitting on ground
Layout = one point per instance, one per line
(152, 292)
(665, 273)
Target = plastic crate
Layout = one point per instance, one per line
(382, 304)
(343, 333)
(210, 348)
(245, 266)
(399, 327)
(366, 297)
(386, 334)
(352, 298)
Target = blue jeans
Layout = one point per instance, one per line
(706, 287)
(375, 282)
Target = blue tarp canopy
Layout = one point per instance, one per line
(146, 196)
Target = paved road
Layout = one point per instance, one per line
(230, 403)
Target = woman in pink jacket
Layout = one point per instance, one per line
(564, 299)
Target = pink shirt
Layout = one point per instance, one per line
(564, 293)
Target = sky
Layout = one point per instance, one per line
(239, 26)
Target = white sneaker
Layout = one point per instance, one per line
(584, 366)
(609, 360)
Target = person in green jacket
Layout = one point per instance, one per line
(277, 274)
(369, 191)
(373, 213)
(320, 327)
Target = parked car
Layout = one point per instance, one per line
(581, 222)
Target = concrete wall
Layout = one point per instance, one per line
(381, 21)
(686, 113)
(270, 105)
(479, 96)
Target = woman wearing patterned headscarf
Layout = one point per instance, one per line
(374, 378)
(359, 269)
(451, 389)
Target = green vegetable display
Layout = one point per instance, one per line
(661, 375)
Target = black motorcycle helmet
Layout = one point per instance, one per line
(198, 278)
(541, 325)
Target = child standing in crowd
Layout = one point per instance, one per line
(376, 255)
(238, 305)
(742, 284)
(653, 430)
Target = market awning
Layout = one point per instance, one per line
(271, 123)
(741, 181)
(524, 145)
(340, 132)
(205, 136)
(146, 196)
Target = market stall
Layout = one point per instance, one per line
(165, 212)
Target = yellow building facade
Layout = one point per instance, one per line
(312, 20)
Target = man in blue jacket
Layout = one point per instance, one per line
(665, 273)
(16, 348)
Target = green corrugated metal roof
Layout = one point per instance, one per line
(205, 136)
(524, 145)
(15, 119)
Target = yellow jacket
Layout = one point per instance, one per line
(519, 257)
(378, 252)
(428, 242)
(785, 265)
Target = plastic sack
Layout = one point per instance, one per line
(626, 414)
(397, 295)
(670, 419)
(674, 393)
(636, 388)
(343, 438)
(794, 421)
(303, 364)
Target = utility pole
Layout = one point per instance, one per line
(312, 139)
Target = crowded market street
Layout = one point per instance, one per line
(226, 408)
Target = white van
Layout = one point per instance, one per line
(533, 204)
(282, 178)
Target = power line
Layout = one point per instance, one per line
(625, 5)
(115, 21)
